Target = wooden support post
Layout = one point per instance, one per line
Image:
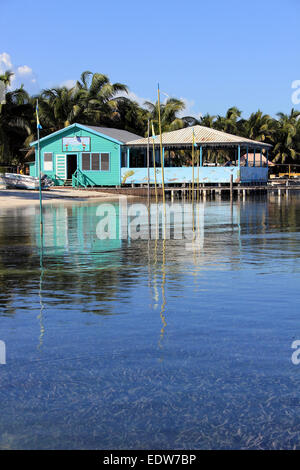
(261, 157)
(231, 186)
(128, 157)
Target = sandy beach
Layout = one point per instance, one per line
(12, 198)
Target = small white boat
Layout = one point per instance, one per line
(14, 180)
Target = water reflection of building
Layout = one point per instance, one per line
(72, 230)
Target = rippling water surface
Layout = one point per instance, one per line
(137, 344)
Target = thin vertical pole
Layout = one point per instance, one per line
(254, 157)
(239, 156)
(247, 156)
(128, 157)
(40, 181)
(198, 176)
(148, 159)
(201, 163)
(261, 157)
(193, 164)
(161, 147)
(154, 164)
(267, 155)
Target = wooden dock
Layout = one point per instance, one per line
(205, 191)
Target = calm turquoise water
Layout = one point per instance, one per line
(131, 344)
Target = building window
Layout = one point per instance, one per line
(86, 163)
(124, 159)
(48, 161)
(95, 162)
(104, 161)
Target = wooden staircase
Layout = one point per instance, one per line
(68, 182)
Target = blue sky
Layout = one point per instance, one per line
(214, 54)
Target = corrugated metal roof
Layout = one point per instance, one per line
(117, 134)
(204, 135)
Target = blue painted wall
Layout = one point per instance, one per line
(180, 175)
(251, 174)
(185, 175)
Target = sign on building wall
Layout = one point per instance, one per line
(76, 144)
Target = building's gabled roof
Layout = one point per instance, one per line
(116, 135)
(203, 135)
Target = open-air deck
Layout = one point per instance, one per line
(249, 163)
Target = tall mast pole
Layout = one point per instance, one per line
(39, 166)
(161, 148)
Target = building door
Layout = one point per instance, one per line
(71, 165)
(61, 172)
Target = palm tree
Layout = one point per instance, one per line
(15, 117)
(286, 139)
(58, 108)
(228, 123)
(90, 101)
(6, 78)
(96, 96)
(258, 127)
(168, 112)
(208, 120)
(132, 117)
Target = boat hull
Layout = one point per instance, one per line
(13, 180)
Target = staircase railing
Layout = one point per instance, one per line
(79, 179)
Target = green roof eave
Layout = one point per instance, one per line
(80, 126)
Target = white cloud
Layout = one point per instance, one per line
(23, 74)
(24, 70)
(189, 109)
(68, 83)
(5, 62)
(189, 104)
(133, 97)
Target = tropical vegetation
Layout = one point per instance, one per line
(95, 100)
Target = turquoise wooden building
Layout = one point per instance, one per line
(84, 155)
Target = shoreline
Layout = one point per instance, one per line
(14, 198)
